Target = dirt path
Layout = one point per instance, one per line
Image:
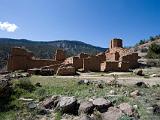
(122, 80)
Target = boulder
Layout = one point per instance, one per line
(139, 72)
(32, 105)
(135, 93)
(156, 109)
(68, 105)
(141, 84)
(50, 102)
(46, 72)
(113, 113)
(66, 70)
(101, 104)
(85, 117)
(86, 107)
(126, 108)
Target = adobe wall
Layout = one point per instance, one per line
(76, 61)
(112, 56)
(22, 59)
(60, 55)
(110, 66)
(91, 64)
(116, 43)
(132, 59)
(101, 56)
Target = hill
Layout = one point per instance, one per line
(45, 49)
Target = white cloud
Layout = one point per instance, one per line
(6, 26)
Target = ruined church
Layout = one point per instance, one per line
(116, 58)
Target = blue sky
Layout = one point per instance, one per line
(92, 21)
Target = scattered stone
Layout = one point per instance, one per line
(135, 93)
(68, 105)
(101, 104)
(113, 113)
(126, 108)
(99, 85)
(32, 105)
(38, 84)
(66, 70)
(112, 92)
(80, 82)
(141, 84)
(156, 109)
(86, 107)
(85, 117)
(42, 111)
(139, 72)
(86, 82)
(50, 102)
(155, 75)
(47, 72)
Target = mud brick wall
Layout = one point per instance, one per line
(60, 55)
(116, 43)
(112, 66)
(101, 57)
(22, 59)
(132, 59)
(124, 66)
(91, 64)
(83, 55)
(41, 62)
(112, 56)
(76, 61)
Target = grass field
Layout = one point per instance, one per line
(69, 87)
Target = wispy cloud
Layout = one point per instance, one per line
(9, 27)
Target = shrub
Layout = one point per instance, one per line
(153, 51)
(25, 84)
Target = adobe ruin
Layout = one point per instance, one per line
(116, 58)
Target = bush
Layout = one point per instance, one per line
(25, 84)
(153, 51)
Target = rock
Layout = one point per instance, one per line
(50, 102)
(99, 85)
(155, 75)
(38, 84)
(42, 111)
(156, 109)
(86, 107)
(139, 72)
(86, 82)
(112, 92)
(32, 105)
(135, 93)
(101, 104)
(46, 72)
(80, 82)
(66, 70)
(126, 108)
(141, 84)
(85, 117)
(68, 105)
(113, 113)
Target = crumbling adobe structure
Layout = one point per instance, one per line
(116, 58)
(22, 59)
